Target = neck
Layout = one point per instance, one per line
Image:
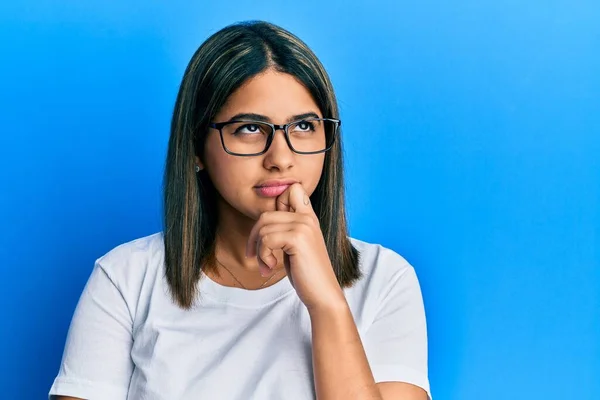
(230, 248)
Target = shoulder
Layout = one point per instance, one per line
(385, 274)
(378, 261)
(129, 263)
(146, 246)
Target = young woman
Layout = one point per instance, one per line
(253, 290)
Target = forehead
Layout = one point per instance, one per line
(274, 94)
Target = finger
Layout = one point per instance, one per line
(267, 230)
(267, 218)
(271, 228)
(283, 240)
(264, 269)
(294, 199)
(266, 255)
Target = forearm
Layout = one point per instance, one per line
(341, 369)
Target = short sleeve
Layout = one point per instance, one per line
(96, 362)
(396, 342)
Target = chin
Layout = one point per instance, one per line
(253, 212)
(267, 205)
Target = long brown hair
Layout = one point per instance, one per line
(221, 65)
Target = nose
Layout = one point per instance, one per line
(279, 156)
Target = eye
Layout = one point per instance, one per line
(305, 126)
(247, 129)
(250, 128)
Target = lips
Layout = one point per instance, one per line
(273, 187)
(271, 191)
(277, 182)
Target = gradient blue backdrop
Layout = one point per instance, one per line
(472, 140)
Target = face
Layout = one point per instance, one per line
(278, 97)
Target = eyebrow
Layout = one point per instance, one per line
(264, 118)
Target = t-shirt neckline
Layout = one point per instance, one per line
(242, 297)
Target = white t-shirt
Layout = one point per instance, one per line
(128, 340)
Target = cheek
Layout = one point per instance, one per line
(314, 169)
(228, 173)
(218, 164)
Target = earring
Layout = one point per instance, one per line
(197, 168)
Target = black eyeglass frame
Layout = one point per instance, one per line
(274, 128)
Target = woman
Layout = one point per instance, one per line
(254, 289)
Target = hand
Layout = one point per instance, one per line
(294, 228)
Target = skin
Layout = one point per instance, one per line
(239, 207)
(260, 236)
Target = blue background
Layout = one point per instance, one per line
(472, 140)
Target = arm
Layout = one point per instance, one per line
(396, 339)
(340, 365)
(341, 368)
(96, 361)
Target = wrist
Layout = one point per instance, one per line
(334, 307)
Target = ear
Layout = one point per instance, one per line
(199, 163)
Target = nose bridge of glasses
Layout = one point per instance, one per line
(280, 128)
(283, 129)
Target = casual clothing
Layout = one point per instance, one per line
(128, 340)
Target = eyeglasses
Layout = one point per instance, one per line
(253, 138)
